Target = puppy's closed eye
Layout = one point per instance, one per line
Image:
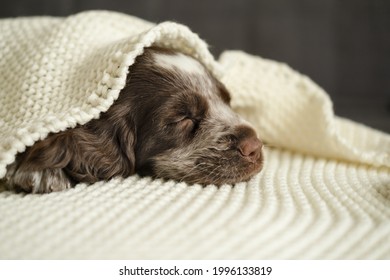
(172, 120)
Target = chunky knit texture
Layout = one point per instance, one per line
(324, 191)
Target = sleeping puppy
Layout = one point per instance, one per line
(172, 120)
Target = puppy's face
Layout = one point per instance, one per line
(185, 127)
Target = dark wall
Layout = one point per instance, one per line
(344, 45)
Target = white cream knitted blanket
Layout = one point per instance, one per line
(324, 191)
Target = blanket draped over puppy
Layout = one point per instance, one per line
(324, 191)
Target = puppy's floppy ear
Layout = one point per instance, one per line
(127, 140)
(102, 149)
(52, 152)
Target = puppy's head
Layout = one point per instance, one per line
(172, 120)
(185, 129)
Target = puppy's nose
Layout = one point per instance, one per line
(250, 148)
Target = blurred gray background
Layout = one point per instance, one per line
(343, 45)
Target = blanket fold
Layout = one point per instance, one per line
(290, 111)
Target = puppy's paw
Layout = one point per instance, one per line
(43, 181)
